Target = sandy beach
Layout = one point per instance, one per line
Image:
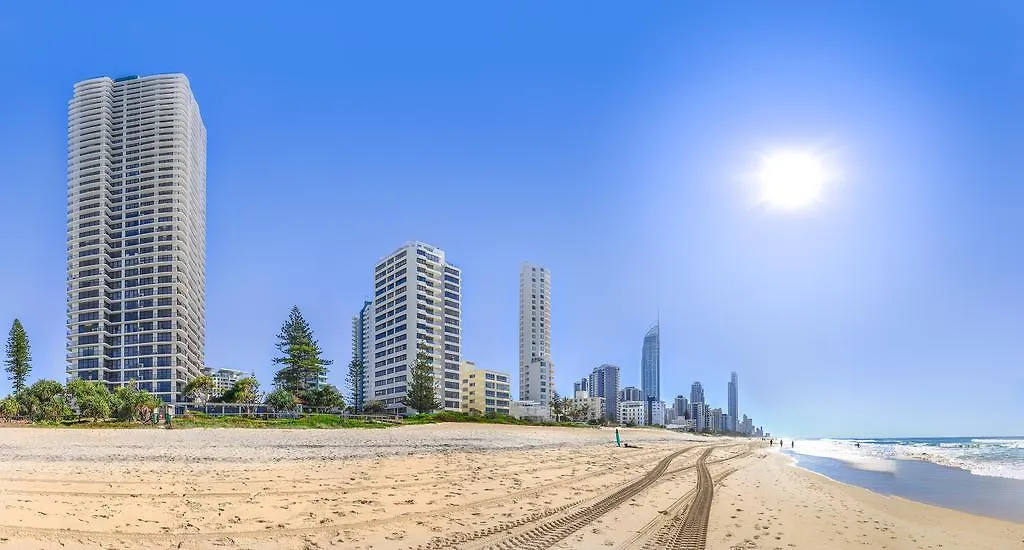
(443, 486)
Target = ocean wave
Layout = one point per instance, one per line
(1007, 443)
(994, 457)
(844, 451)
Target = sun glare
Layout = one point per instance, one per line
(791, 180)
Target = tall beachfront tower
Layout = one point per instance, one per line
(417, 303)
(604, 382)
(536, 371)
(362, 343)
(696, 393)
(650, 364)
(136, 233)
(734, 401)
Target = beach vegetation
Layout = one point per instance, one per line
(91, 398)
(487, 418)
(302, 359)
(245, 391)
(421, 394)
(355, 379)
(200, 389)
(307, 421)
(9, 408)
(44, 401)
(129, 403)
(19, 356)
(325, 397)
(373, 407)
(281, 400)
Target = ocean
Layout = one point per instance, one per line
(980, 475)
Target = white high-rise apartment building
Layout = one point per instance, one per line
(362, 344)
(224, 379)
(536, 371)
(136, 233)
(417, 302)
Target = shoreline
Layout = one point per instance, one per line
(783, 499)
(926, 482)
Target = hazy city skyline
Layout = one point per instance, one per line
(618, 157)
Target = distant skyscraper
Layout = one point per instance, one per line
(734, 401)
(650, 364)
(362, 343)
(631, 393)
(417, 303)
(536, 371)
(696, 393)
(604, 382)
(682, 407)
(715, 420)
(580, 385)
(136, 233)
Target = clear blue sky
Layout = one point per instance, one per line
(612, 143)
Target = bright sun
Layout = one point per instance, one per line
(791, 180)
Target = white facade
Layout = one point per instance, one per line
(699, 415)
(224, 379)
(593, 406)
(530, 410)
(632, 412)
(136, 233)
(536, 371)
(362, 344)
(682, 424)
(657, 415)
(417, 303)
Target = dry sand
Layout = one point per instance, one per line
(442, 486)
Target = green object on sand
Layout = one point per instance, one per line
(618, 442)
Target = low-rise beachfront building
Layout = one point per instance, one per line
(632, 413)
(593, 406)
(224, 379)
(529, 410)
(683, 424)
(484, 391)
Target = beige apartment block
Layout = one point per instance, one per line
(484, 391)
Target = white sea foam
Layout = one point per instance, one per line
(847, 452)
(997, 457)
